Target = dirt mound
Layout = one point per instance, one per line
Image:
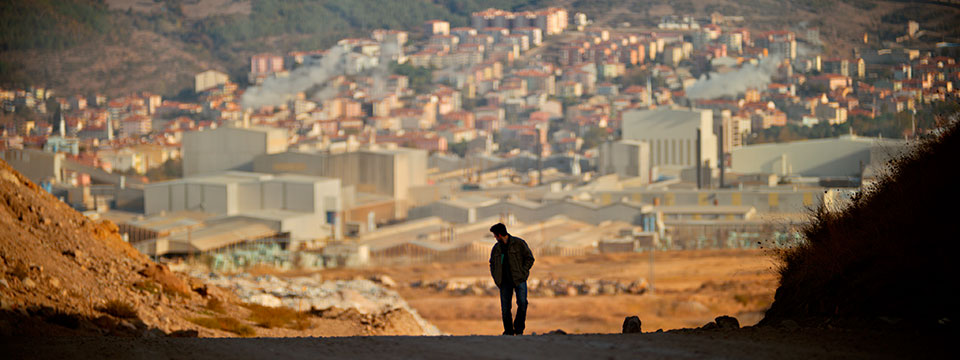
(64, 274)
(890, 254)
(61, 272)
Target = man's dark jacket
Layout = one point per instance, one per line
(520, 260)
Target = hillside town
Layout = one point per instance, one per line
(405, 146)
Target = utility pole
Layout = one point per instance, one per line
(699, 166)
(539, 156)
(651, 269)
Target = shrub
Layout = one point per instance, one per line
(119, 309)
(215, 305)
(889, 253)
(270, 317)
(224, 323)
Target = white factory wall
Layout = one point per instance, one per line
(765, 200)
(672, 134)
(249, 197)
(445, 211)
(304, 200)
(384, 172)
(626, 158)
(306, 226)
(299, 197)
(228, 148)
(468, 213)
(156, 198)
(178, 197)
(820, 157)
(272, 195)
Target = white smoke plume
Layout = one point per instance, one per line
(279, 90)
(735, 82)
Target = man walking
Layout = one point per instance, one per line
(510, 263)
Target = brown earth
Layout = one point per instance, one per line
(691, 288)
(63, 274)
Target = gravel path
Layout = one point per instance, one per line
(689, 344)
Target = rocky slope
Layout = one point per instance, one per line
(62, 274)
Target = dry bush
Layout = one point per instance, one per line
(215, 305)
(224, 323)
(270, 317)
(889, 253)
(119, 309)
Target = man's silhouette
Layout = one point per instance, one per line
(510, 263)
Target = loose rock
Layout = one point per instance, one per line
(631, 325)
(727, 322)
(266, 300)
(185, 333)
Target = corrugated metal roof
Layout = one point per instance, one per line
(224, 234)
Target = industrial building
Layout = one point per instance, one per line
(471, 209)
(389, 172)
(673, 135)
(186, 233)
(784, 199)
(626, 158)
(229, 148)
(432, 239)
(843, 156)
(37, 165)
(306, 207)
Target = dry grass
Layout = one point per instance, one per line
(890, 253)
(224, 323)
(120, 309)
(148, 286)
(215, 305)
(278, 317)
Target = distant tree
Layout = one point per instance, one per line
(459, 148)
(420, 78)
(594, 137)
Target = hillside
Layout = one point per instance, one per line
(64, 274)
(60, 271)
(889, 255)
(119, 46)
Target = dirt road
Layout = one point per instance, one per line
(693, 287)
(740, 344)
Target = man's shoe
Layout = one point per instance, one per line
(507, 333)
(518, 333)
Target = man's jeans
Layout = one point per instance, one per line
(511, 326)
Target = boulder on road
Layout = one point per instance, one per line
(727, 322)
(631, 325)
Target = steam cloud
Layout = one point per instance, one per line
(279, 90)
(734, 82)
